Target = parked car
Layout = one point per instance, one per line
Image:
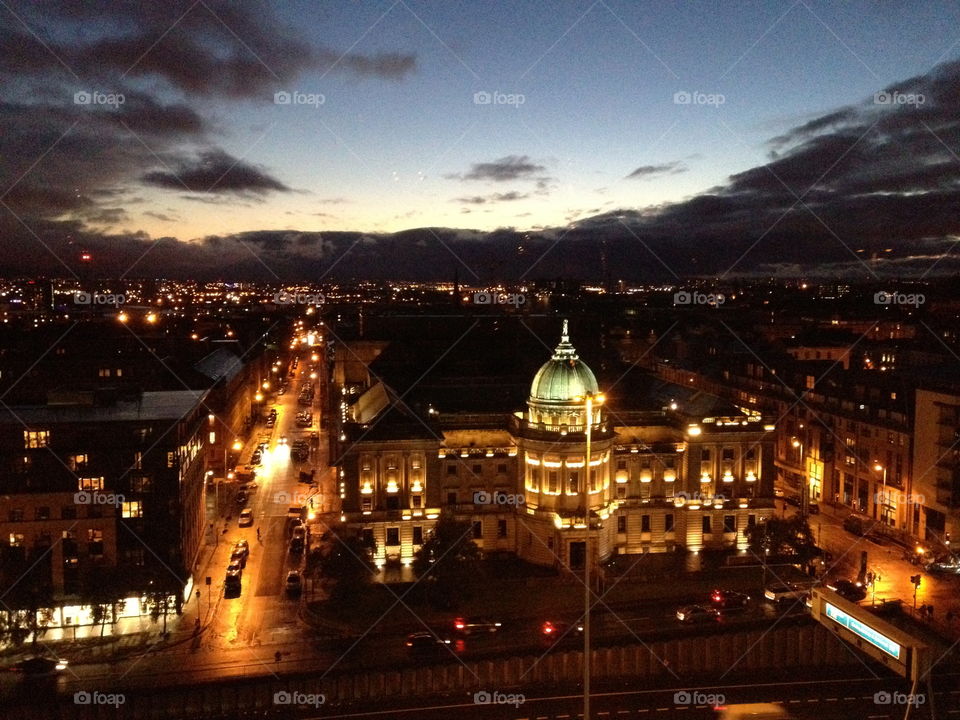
(475, 625)
(232, 581)
(783, 592)
(243, 546)
(235, 564)
(695, 614)
(852, 591)
(256, 458)
(813, 508)
(296, 545)
(238, 557)
(294, 583)
(246, 517)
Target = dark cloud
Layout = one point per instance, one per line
(494, 198)
(510, 167)
(215, 172)
(670, 168)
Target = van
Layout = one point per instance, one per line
(753, 711)
(857, 524)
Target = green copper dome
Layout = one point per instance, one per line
(564, 377)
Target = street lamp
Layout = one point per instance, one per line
(804, 489)
(590, 398)
(884, 506)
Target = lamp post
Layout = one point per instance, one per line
(804, 491)
(884, 507)
(589, 399)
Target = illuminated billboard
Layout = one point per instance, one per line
(858, 628)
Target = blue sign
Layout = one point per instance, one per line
(865, 631)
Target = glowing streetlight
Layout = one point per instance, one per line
(258, 397)
(123, 317)
(151, 318)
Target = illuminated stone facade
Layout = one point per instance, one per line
(652, 480)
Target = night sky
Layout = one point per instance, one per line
(662, 138)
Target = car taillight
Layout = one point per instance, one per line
(547, 629)
(459, 624)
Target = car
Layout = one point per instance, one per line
(246, 517)
(235, 564)
(813, 508)
(256, 458)
(849, 590)
(424, 640)
(241, 498)
(299, 531)
(239, 558)
(476, 625)
(555, 631)
(233, 579)
(728, 599)
(283, 440)
(282, 390)
(296, 545)
(243, 546)
(950, 567)
(695, 613)
(294, 583)
(271, 422)
(783, 592)
(40, 665)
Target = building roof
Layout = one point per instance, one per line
(161, 405)
(564, 377)
(220, 364)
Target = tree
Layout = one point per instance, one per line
(103, 590)
(346, 559)
(783, 536)
(448, 562)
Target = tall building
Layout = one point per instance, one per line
(673, 471)
(101, 495)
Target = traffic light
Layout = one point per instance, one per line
(915, 579)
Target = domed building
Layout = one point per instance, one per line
(564, 446)
(671, 469)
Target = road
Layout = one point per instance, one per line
(885, 560)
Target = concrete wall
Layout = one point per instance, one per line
(785, 647)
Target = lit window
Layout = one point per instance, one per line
(132, 509)
(76, 462)
(36, 438)
(90, 483)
